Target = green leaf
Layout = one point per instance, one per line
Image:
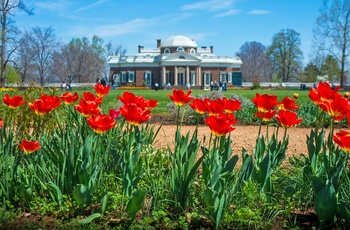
(326, 203)
(343, 210)
(26, 193)
(135, 203)
(56, 191)
(82, 195)
(90, 218)
(104, 201)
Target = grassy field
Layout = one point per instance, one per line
(163, 99)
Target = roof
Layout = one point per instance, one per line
(178, 41)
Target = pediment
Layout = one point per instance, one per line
(181, 57)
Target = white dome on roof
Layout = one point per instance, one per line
(178, 41)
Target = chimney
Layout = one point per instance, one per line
(211, 49)
(140, 48)
(158, 42)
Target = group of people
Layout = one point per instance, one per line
(66, 86)
(222, 85)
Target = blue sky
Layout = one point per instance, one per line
(224, 24)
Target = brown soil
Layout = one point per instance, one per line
(244, 136)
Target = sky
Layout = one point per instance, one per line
(224, 24)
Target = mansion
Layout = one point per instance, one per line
(177, 61)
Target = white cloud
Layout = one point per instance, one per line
(52, 5)
(99, 2)
(227, 13)
(210, 5)
(259, 12)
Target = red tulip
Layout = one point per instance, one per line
(150, 104)
(220, 125)
(199, 105)
(1, 122)
(45, 104)
(92, 97)
(266, 116)
(231, 105)
(335, 108)
(134, 114)
(180, 98)
(287, 104)
(101, 90)
(130, 98)
(323, 92)
(287, 118)
(113, 113)
(88, 108)
(215, 107)
(13, 102)
(101, 123)
(29, 147)
(68, 98)
(343, 140)
(265, 102)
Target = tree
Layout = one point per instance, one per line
(311, 72)
(112, 50)
(256, 64)
(332, 32)
(330, 68)
(81, 60)
(38, 47)
(9, 33)
(286, 55)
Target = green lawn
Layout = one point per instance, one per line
(163, 99)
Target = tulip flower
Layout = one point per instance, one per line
(220, 125)
(180, 98)
(335, 108)
(45, 104)
(13, 102)
(199, 105)
(135, 114)
(88, 108)
(343, 140)
(231, 105)
(288, 119)
(101, 90)
(266, 116)
(150, 104)
(287, 104)
(295, 95)
(324, 92)
(29, 147)
(68, 98)
(130, 98)
(216, 107)
(92, 97)
(1, 122)
(101, 123)
(113, 113)
(265, 102)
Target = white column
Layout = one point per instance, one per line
(187, 74)
(164, 76)
(175, 77)
(199, 76)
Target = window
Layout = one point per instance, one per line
(181, 57)
(229, 77)
(192, 51)
(222, 76)
(148, 78)
(179, 49)
(123, 76)
(193, 78)
(167, 51)
(131, 76)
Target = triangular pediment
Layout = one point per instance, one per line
(181, 57)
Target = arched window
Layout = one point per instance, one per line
(179, 49)
(182, 57)
(166, 51)
(192, 51)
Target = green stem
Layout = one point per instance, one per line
(285, 134)
(260, 124)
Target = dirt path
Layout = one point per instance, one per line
(242, 136)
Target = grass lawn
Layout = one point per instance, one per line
(163, 99)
